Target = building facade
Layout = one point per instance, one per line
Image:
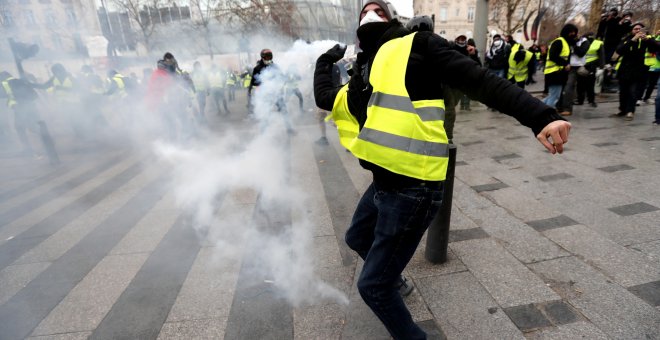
(454, 18)
(57, 26)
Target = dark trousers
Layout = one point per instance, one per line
(642, 84)
(627, 95)
(585, 85)
(651, 82)
(386, 229)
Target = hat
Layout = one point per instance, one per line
(266, 54)
(420, 23)
(387, 7)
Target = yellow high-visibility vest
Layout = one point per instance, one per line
(62, 90)
(551, 66)
(216, 80)
(519, 70)
(231, 79)
(121, 85)
(592, 53)
(246, 80)
(11, 100)
(402, 136)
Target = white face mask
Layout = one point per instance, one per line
(497, 43)
(371, 16)
(268, 62)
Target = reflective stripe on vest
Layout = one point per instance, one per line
(11, 101)
(519, 70)
(592, 53)
(551, 66)
(404, 137)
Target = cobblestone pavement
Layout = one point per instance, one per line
(541, 246)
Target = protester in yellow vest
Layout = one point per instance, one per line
(595, 59)
(231, 85)
(22, 99)
(520, 65)
(391, 117)
(652, 60)
(201, 82)
(217, 83)
(557, 64)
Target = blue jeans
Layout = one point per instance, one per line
(387, 227)
(498, 72)
(554, 92)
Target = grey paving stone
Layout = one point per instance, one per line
(208, 291)
(432, 330)
(467, 234)
(193, 329)
(325, 252)
(91, 299)
(461, 308)
(523, 242)
(559, 312)
(318, 322)
(613, 309)
(578, 330)
(649, 292)
(486, 128)
(66, 336)
(68, 235)
(633, 209)
(601, 128)
(650, 249)
(507, 280)
(650, 139)
(521, 204)
(555, 177)
(527, 317)
(471, 175)
(459, 221)
(361, 322)
(419, 267)
(14, 278)
(490, 187)
(460, 163)
(505, 157)
(600, 145)
(615, 168)
(625, 266)
(516, 137)
(472, 143)
(552, 223)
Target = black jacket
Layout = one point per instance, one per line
(633, 54)
(256, 73)
(432, 64)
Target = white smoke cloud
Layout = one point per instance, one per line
(240, 165)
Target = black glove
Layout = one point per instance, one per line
(336, 52)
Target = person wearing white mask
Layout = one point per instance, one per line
(391, 116)
(497, 57)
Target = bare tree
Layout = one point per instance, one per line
(139, 11)
(259, 15)
(206, 13)
(558, 13)
(513, 11)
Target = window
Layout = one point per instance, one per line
(29, 18)
(49, 17)
(70, 17)
(7, 18)
(443, 14)
(470, 15)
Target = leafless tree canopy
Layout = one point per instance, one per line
(257, 15)
(139, 12)
(513, 11)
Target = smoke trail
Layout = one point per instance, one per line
(232, 163)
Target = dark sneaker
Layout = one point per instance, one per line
(656, 123)
(405, 287)
(322, 141)
(593, 104)
(630, 116)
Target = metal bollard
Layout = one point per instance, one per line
(437, 238)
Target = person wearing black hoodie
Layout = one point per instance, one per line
(557, 63)
(377, 121)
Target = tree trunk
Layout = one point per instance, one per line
(594, 14)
